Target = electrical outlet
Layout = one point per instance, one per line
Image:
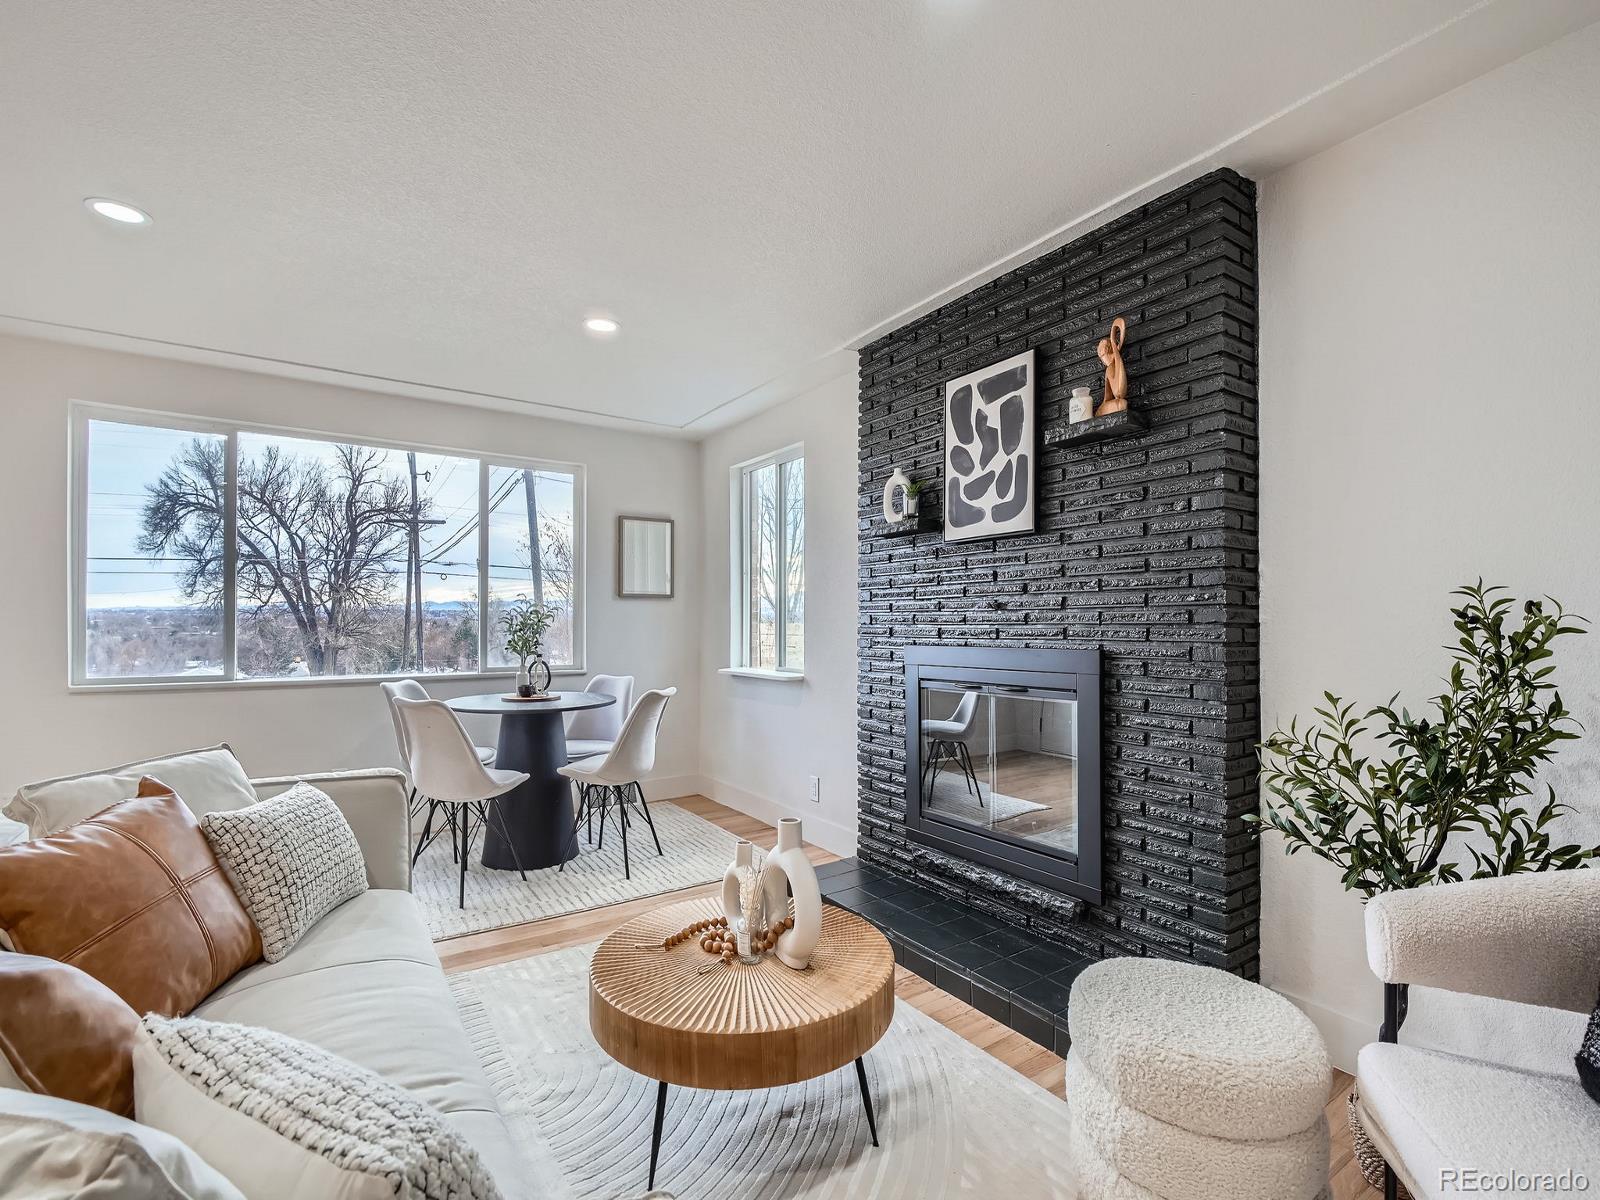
(816, 784)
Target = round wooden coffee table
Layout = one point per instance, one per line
(738, 1026)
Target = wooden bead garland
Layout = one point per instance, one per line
(716, 938)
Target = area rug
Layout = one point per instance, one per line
(950, 793)
(695, 851)
(952, 1121)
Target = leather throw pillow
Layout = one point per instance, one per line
(66, 1034)
(134, 897)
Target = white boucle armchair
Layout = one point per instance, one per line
(1448, 1124)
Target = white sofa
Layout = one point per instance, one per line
(1447, 1123)
(365, 983)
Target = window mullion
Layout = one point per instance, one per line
(780, 566)
(483, 564)
(230, 557)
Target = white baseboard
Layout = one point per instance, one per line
(1344, 1034)
(830, 835)
(670, 787)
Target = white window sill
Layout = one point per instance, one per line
(761, 673)
(206, 683)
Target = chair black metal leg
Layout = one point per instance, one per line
(655, 1135)
(866, 1099)
(588, 813)
(422, 840)
(648, 820)
(622, 820)
(458, 812)
(601, 792)
(500, 823)
(972, 774)
(1391, 1185)
(455, 835)
(934, 754)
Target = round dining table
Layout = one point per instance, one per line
(538, 814)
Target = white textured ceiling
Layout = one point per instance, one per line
(429, 197)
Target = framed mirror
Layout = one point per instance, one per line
(644, 558)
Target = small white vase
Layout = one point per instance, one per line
(1081, 405)
(743, 858)
(898, 481)
(789, 872)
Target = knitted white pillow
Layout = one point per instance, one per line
(292, 859)
(280, 1117)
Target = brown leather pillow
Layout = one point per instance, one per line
(134, 897)
(66, 1034)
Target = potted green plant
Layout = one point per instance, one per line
(525, 624)
(912, 504)
(1399, 800)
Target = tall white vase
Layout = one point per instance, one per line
(743, 856)
(788, 870)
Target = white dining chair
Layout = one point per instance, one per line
(611, 780)
(592, 731)
(410, 689)
(947, 742)
(446, 768)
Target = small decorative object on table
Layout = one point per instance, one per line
(1081, 406)
(743, 902)
(1115, 399)
(525, 624)
(788, 872)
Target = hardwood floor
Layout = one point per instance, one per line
(1027, 1058)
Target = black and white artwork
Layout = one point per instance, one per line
(989, 457)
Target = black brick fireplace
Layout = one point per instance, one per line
(1144, 556)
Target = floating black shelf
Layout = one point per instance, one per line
(1096, 429)
(910, 528)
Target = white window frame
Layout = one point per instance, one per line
(81, 412)
(740, 511)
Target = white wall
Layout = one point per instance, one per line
(761, 740)
(1430, 412)
(46, 730)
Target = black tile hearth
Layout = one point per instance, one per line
(1020, 981)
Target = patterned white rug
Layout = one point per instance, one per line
(694, 851)
(952, 1120)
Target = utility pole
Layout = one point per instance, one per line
(414, 555)
(529, 490)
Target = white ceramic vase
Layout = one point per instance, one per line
(789, 872)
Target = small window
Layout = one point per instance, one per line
(769, 598)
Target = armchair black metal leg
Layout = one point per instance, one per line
(500, 823)
(648, 819)
(455, 834)
(1391, 1185)
(459, 813)
(601, 792)
(655, 1134)
(866, 1099)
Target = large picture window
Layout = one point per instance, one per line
(769, 595)
(212, 552)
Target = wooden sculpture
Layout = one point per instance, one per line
(1115, 399)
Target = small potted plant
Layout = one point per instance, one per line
(912, 502)
(1400, 800)
(525, 624)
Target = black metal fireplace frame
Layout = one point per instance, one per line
(1011, 672)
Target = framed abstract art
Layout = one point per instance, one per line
(990, 461)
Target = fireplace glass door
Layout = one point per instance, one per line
(1003, 760)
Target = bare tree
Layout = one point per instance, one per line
(320, 540)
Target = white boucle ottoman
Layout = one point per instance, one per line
(1188, 1083)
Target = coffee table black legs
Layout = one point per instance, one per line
(661, 1113)
(655, 1136)
(866, 1099)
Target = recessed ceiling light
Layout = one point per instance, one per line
(116, 210)
(604, 326)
